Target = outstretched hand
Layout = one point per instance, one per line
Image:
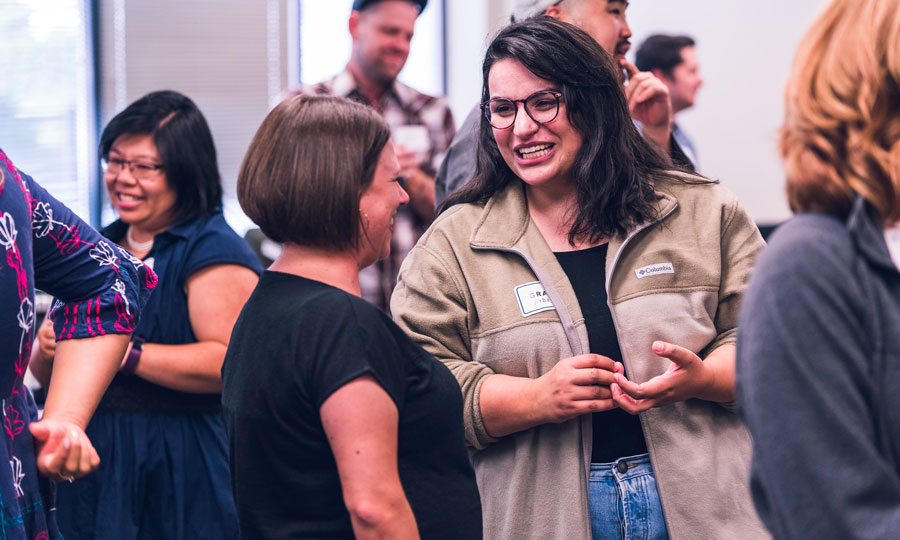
(686, 378)
(63, 450)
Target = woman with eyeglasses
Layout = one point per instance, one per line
(159, 430)
(584, 294)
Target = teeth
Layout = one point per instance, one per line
(535, 151)
(128, 198)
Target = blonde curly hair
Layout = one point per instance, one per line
(841, 134)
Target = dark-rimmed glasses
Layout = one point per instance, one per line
(541, 106)
(139, 170)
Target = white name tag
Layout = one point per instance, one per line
(533, 298)
(655, 269)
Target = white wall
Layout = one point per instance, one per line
(745, 49)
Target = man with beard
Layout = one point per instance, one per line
(422, 125)
(603, 20)
(673, 59)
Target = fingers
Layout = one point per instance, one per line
(64, 452)
(678, 355)
(657, 387)
(53, 451)
(628, 403)
(590, 393)
(583, 361)
(643, 87)
(579, 408)
(630, 69)
(72, 462)
(593, 376)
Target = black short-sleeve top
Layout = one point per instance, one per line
(296, 342)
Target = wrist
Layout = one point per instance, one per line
(129, 366)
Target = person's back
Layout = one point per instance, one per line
(286, 481)
(818, 364)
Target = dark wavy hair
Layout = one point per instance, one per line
(185, 145)
(614, 166)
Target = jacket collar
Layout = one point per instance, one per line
(505, 219)
(868, 234)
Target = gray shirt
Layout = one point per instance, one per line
(818, 380)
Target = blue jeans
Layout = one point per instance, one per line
(624, 502)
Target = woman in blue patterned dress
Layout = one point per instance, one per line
(159, 428)
(101, 294)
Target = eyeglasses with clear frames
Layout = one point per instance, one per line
(139, 170)
(541, 106)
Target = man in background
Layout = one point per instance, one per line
(421, 125)
(673, 59)
(603, 20)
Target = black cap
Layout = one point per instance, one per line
(359, 5)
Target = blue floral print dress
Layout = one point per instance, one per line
(102, 289)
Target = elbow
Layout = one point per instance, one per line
(376, 511)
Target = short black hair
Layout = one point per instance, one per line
(359, 5)
(662, 52)
(185, 145)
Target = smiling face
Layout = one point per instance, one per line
(542, 155)
(378, 207)
(144, 204)
(381, 36)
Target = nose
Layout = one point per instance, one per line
(125, 174)
(524, 126)
(404, 196)
(401, 44)
(625, 32)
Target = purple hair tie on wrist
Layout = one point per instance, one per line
(134, 356)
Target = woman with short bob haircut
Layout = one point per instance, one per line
(340, 426)
(572, 288)
(159, 429)
(819, 355)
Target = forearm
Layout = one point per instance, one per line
(383, 514)
(658, 135)
(720, 373)
(508, 405)
(420, 188)
(195, 367)
(82, 369)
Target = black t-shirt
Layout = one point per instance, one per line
(295, 343)
(615, 433)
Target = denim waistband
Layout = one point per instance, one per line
(622, 468)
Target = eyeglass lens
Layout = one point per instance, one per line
(140, 170)
(542, 107)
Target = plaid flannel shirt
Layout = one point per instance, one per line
(400, 105)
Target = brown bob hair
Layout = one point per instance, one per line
(307, 167)
(841, 134)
